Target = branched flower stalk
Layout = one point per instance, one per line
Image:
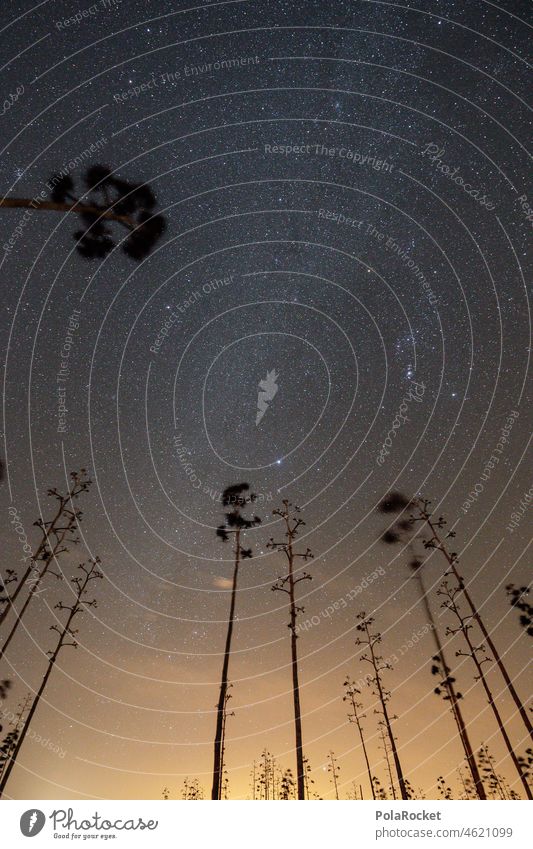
(477, 653)
(445, 792)
(371, 640)
(67, 637)
(446, 689)
(287, 785)
(396, 502)
(191, 790)
(351, 694)
(494, 781)
(422, 513)
(380, 792)
(386, 747)
(400, 532)
(59, 538)
(289, 515)
(54, 532)
(265, 781)
(308, 780)
(467, 785)
(334, 769)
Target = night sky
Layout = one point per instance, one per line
(357, 267)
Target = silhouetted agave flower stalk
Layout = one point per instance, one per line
(236, 499)
(334, 769)
(395, 502)
(477, 653)
(192, 790)
(446, 689)
(289, 515)
(67, 637)
(265, 780)
(494, 781)
(287, 785)
(351, 694)
(371, 641)
(445, 792)
(59, 537)
(402, 532)
(386, 749)
(467, 785)
(380, 792)
(104, 200)
(61, 528)
(309, 780)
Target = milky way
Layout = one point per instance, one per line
(347, 210)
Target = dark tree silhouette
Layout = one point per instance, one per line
(236, 499)
(477, 653)
(395, 502)
(401, 532)
(519, 601)
(371, 640)
(67, 637)
(351, 693)
(289, 515)
(104, 200)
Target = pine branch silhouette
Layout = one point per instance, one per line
(518, 600)
(103, 200)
